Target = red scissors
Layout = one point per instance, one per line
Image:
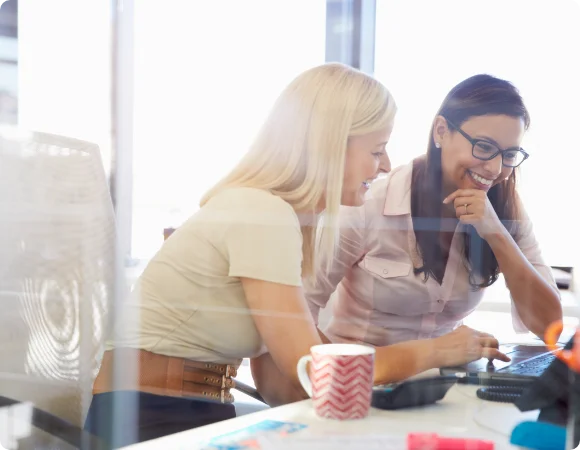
(570, 357)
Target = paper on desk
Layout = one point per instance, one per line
(247, 437)
(502, 417)
(333, 442)
(15, 424)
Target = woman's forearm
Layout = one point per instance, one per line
(392, 363)
(399, 361)
(273, 386)
(537, 303)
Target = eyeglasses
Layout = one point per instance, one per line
(486, 151)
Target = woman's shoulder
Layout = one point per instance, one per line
(250, 197)
(397, 181)
(252, 203)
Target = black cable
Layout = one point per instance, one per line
(502, 394)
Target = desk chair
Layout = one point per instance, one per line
(57, 237)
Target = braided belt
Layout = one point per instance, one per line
(164, 375)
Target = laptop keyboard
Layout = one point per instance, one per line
(531, 367)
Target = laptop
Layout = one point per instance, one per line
(528, 362)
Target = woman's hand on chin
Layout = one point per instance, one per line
(472, 207)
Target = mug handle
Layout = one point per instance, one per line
(303, 374)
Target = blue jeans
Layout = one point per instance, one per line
(126, 417)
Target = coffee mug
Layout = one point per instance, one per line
(341, 380)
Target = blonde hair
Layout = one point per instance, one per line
(299, 153)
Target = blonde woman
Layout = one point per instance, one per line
(228, 283)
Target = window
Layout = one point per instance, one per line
(8, 62)
(424, 48)
(206, 74)
(64, 70)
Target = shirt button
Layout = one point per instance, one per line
(439, 301)
(385, 271)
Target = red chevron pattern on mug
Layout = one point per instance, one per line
(342, 385)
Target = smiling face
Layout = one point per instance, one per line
(461, 170)
(366, 158)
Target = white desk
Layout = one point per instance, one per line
(459, 414)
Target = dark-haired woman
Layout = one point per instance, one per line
(416, 258)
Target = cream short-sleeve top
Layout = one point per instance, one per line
(189, 301)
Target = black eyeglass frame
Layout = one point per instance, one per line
(474, 142)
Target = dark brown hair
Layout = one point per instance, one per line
(479, 95)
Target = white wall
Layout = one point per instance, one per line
(425, 47)
(206, 74)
